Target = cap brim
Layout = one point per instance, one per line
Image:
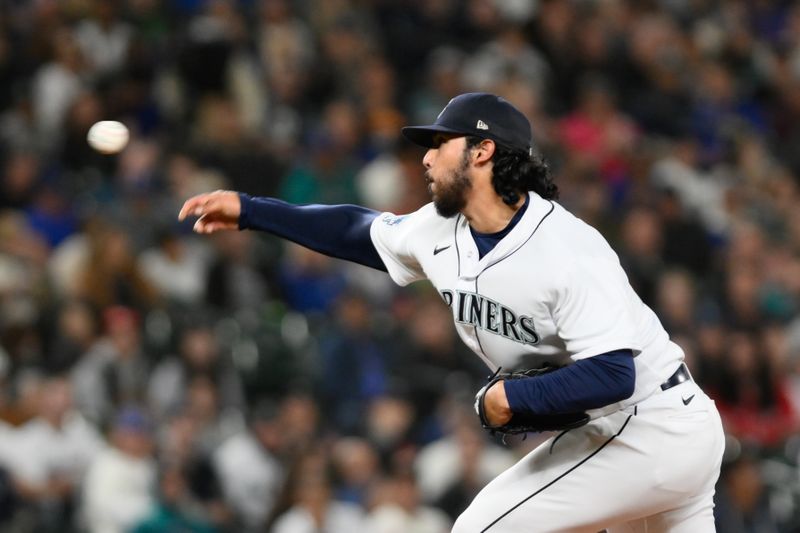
(423, 135)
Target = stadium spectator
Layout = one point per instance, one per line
(308, 501)
(118, 489)
(396, 507)
(175, 509)
(199, 355)
(248, 465)
(115, 370)
(356, 468)
(450, 471)
(48, 456)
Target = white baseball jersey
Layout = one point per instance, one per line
(552, 290)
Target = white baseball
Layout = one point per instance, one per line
(108, 136)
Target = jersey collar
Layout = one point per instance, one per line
(470, 263)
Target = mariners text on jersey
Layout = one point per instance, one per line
(476, 310)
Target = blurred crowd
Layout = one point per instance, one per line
(152, 380)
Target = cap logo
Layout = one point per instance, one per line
(481, 125)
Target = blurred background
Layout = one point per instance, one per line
(152, 380)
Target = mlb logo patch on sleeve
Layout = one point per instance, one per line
(392, 220)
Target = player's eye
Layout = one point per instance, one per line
(440, 139)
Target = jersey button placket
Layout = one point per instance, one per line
(461, 313)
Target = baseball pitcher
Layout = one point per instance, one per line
(541, 298)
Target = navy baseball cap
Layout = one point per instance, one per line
(483, 115)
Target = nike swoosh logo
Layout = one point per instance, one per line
(436, 249)
(687, 401)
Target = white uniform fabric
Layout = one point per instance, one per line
(553, 291)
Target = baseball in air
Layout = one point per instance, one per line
(108, 136)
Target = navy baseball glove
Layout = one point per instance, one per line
(526, 422)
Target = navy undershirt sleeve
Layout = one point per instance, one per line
(341, 231)
(587, 384)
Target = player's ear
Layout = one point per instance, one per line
(482, 152)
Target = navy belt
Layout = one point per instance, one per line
(680, 375)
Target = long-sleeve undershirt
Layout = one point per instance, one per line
(587, 384)
(336, 230)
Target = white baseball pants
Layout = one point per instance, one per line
(648, 468)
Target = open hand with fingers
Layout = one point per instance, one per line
(216, 211)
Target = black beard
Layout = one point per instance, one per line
(451, 199)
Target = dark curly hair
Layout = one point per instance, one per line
(515, 172)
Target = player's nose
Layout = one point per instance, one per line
(427, 161)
